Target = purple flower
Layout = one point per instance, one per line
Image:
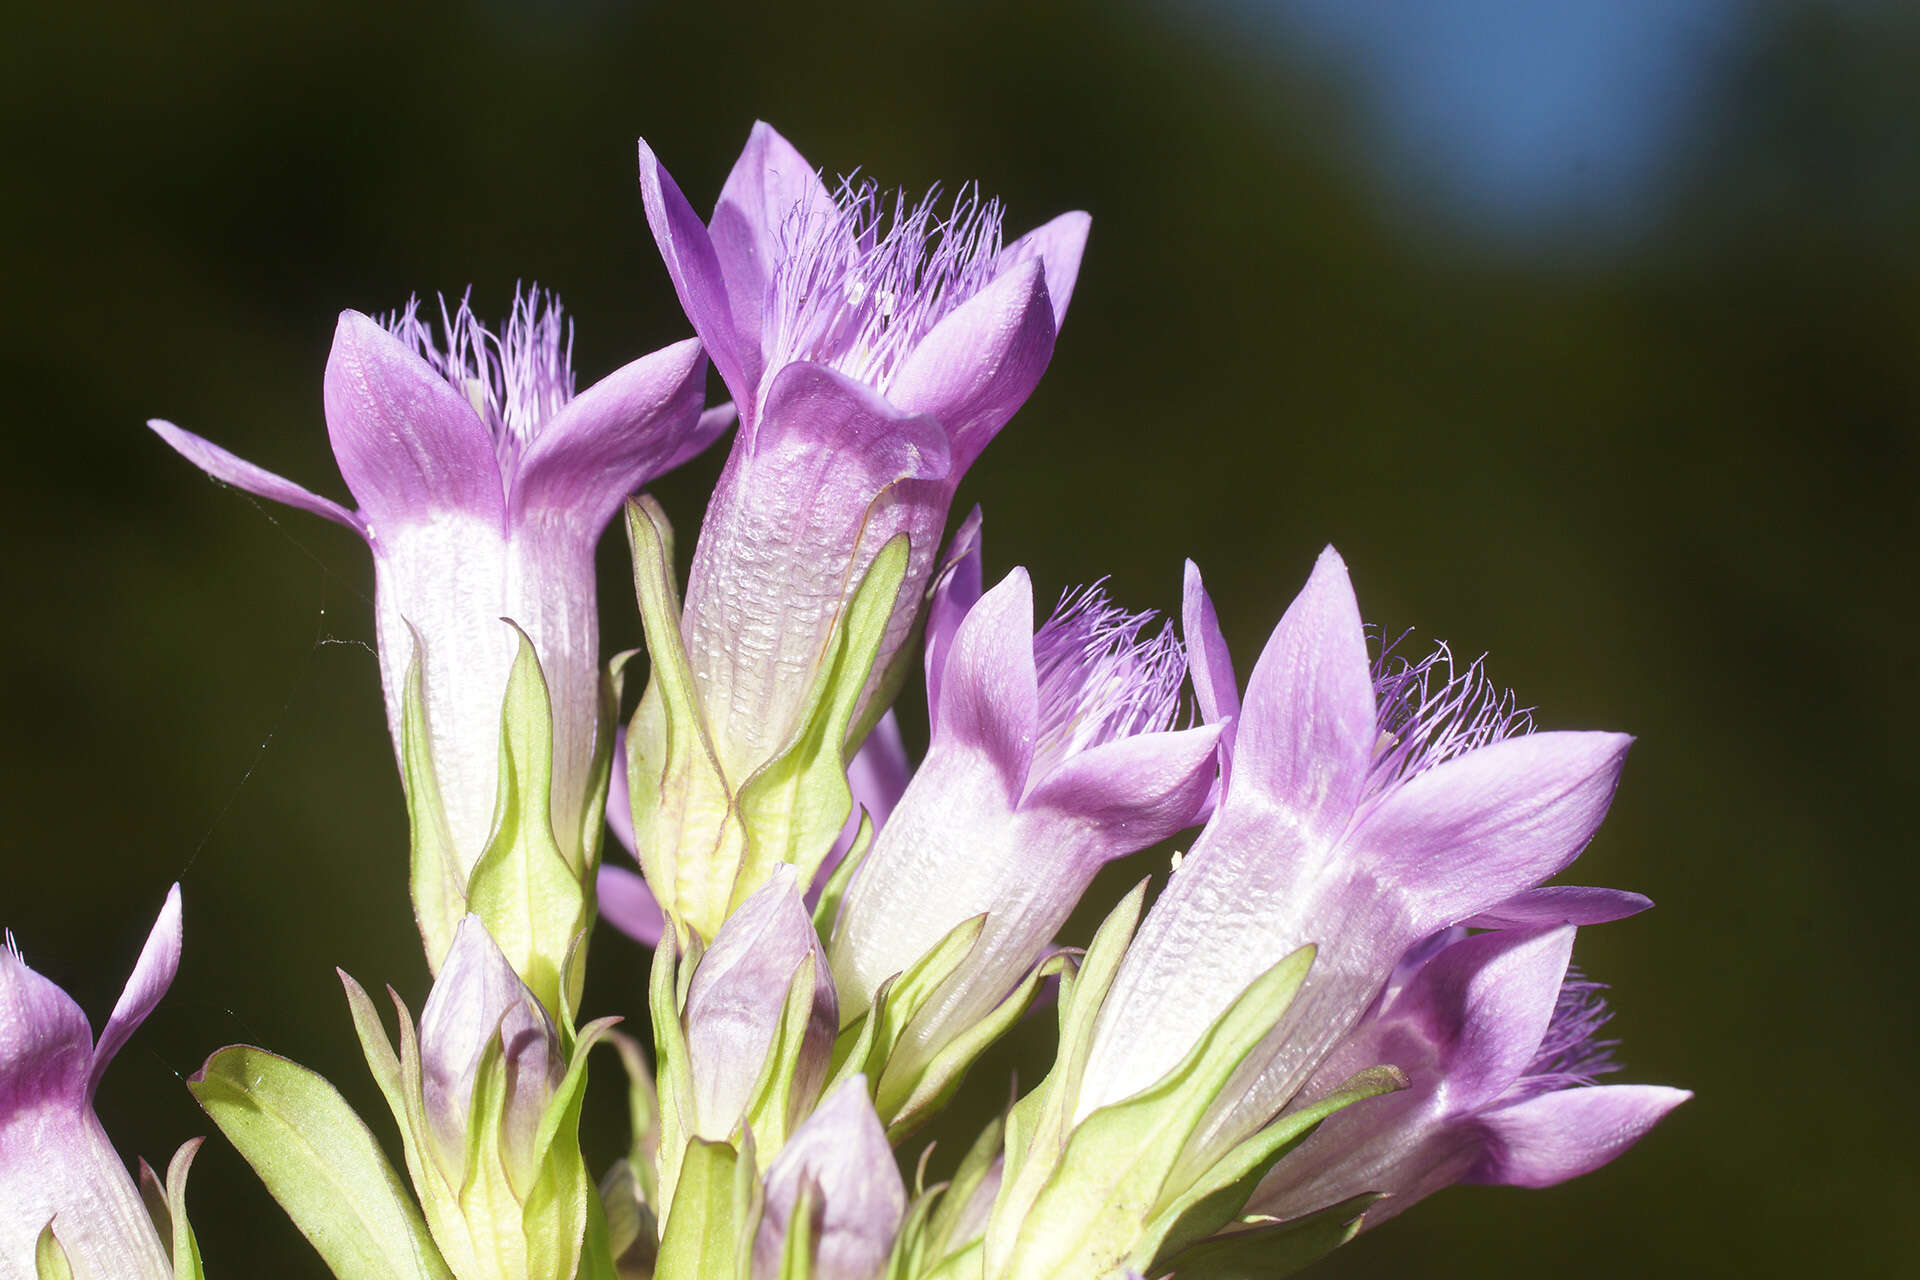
(1053, 752)
(484, 483)
(874, 346)
(1499, 1039)
(877, 776)
(56, 1164)
(734, 1008)
(842, 1153)
(1363, 811)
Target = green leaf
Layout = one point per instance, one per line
(715, 1212)
(1278, 1249)
(438, 877)
(1112, 1176)
(318, 1160)
(1216, 1197)
(524, 889)
(794, 806)
(49, 1259)
(186, 1249)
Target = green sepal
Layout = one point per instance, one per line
(973, 1170)
(672, 769)
(674, 1082)
(1273, 1249)
(906, 1099)
(1216, 1198)
(1112, 1177)
(524, 888)
(865, 1049)
(153, 1196)
(716, 1210)
(596, 1250)
(797, 1250)
(593, 818)
(794, 806)
(186, 1249)
(772, 1106)
(1037, 1126)
(834, 891)
(643, 1113)
(633, 1233)
(564, 1198)
(437, 876)
(49, 1258)
(320, 1162)
(907, 1258)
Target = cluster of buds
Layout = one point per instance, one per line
(1354, 990)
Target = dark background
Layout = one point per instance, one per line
(1636, 417)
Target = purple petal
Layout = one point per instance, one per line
(1133, 791)
(57, 1165)
(771, 188)
(980, 363)
(241, 474)
(1210, 667)
(152, 975)
(738, 995)
(1059, 245)
(1488, 1000)
(955, 591)
(1306, 733)
(1561, 904)
(989, 690)
(628, 905)
(798, 516)
(46, 1046)
(1557, 1136)
(688, 251)
(409, 446)
(614, 438)
(1477, 829)
(842, 1150)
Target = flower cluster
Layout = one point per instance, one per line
(1354, 989)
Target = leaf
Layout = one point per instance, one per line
(437, 876)
(1279, 1249)
(524, 888)
(320, 1162)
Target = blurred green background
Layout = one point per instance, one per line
(1596, 354)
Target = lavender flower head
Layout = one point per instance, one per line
(484, 482)
(875, 344)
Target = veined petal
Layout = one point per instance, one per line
(770, 189)
(1306, 731)
(241, 474)
(981, 362)
(613, 438)
(46, 1046)
(152, 975)
(1556, 1136)
(1209, 661)
(628, 905)
(798, 517)
(1473, 831)
(57, 1165)
(1487, 1001)
(1059, 245)
(842, 1150)
(955, 592)
(409, 446)
(989, 690)
(688, 251)
(1555, 904)
(1146, 787)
